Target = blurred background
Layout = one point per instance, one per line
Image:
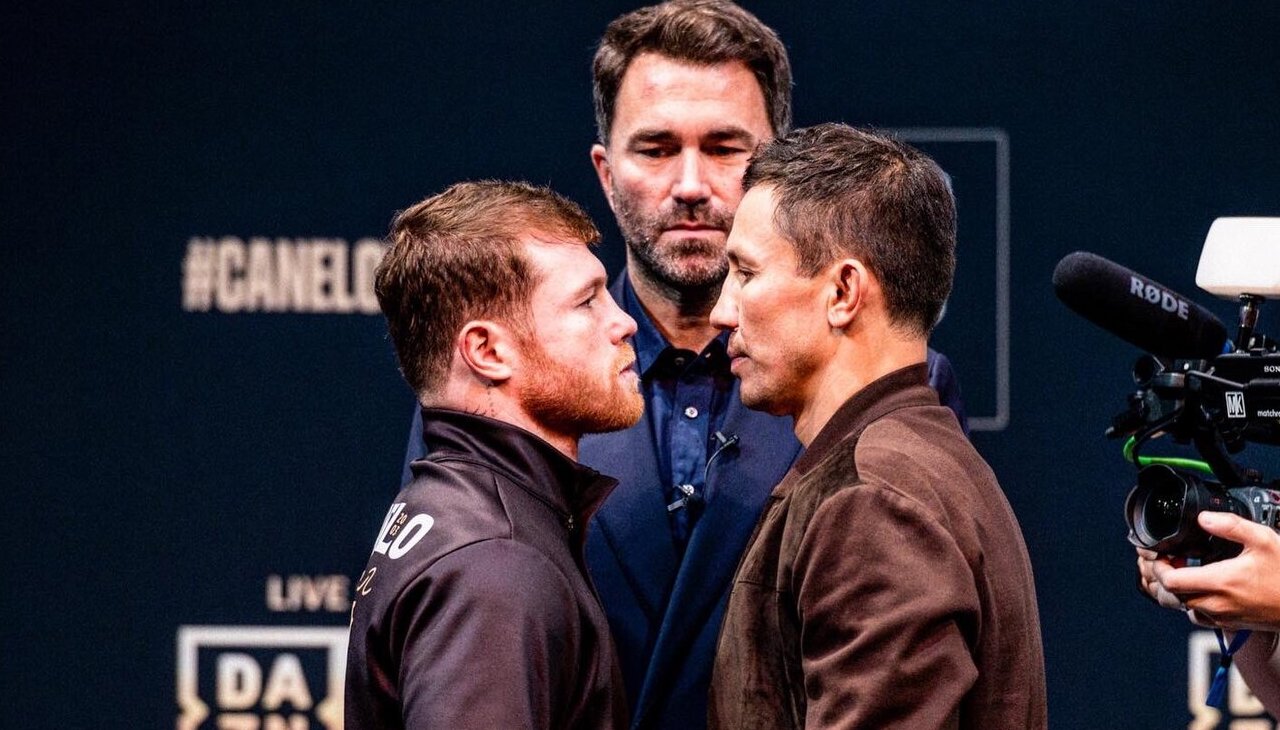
(201, 422)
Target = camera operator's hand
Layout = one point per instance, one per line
(1147, 561)
(1242, 592)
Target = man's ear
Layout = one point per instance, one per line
(849, 281)
(600, 161)
(488, 350)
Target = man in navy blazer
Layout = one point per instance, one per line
(684, 92)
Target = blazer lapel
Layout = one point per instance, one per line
(740, 481)
(632, 522)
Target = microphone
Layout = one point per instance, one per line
(689, 493)
(1136, 309)
(725, 442)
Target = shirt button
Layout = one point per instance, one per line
(680, 361)
(691, 412)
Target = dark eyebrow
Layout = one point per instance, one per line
(651, 136)
(719, 134)
(732, 134)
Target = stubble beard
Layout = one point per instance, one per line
(687, 268)
(570, 400)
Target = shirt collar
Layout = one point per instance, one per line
(652, 348)
(647, 341)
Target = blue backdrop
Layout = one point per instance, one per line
(202, 427)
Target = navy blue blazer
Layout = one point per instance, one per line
(665, 612)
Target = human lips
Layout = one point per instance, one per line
(736, 355)
(692, 233)
(694, 226)
(703, 221)
(629, 378)
(625, 362)
(733, 348)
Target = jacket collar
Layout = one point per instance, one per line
(535, 465)
(901, 388)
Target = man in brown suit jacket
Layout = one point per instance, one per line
(887, 584)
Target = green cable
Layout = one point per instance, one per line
(1166, 460)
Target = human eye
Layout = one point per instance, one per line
(590, 300)
(725, 150)
(654, 152)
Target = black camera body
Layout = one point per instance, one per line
(1251, 412)
(1217, 406)
(1162, 509)
(1195, 386)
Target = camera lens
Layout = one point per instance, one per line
(1163, 507)
(1162, 510)
(1157, 506)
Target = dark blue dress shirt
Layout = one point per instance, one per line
(687, 394)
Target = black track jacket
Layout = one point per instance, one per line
(475, 610)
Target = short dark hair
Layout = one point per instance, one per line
(458, 256)
(842, 191)
(695, 31)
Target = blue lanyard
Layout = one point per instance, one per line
(1218, 690)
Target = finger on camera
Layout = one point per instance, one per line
(1234, 527)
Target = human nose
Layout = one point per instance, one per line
(622, 325)
(725, 314)
(691, 187)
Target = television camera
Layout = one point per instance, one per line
(1194, 385)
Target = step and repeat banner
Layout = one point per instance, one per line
(203, 424)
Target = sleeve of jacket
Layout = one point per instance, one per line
(1259, 664)
(888, 608)
(489, 637)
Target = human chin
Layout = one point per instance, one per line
(628, 407)
(757, 393)
(570, 400)
(684, 261)
(611, 408)
(625, 403)
(749, 391)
